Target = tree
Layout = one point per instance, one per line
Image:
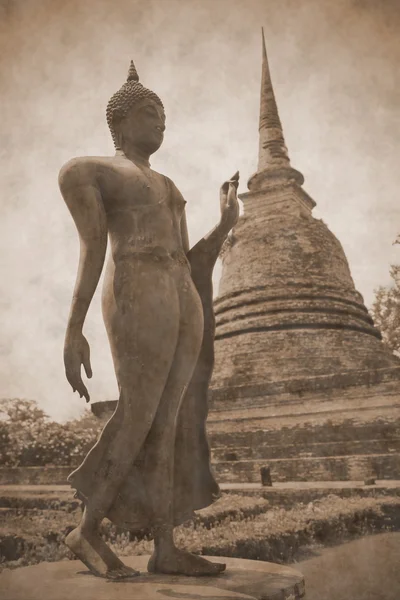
(29, 438)
(386, 311)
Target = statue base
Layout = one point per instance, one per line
(242, 580)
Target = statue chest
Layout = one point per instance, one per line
(134, 191)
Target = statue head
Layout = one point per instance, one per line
(135, 116)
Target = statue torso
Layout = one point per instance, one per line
(143, 207)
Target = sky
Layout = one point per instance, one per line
(335, 71)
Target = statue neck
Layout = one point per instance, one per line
(135, 155)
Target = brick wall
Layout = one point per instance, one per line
(348, 433)
(302, 380)
(287, 306)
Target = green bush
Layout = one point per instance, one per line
(29, 438)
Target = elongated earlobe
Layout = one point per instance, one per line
(117, 134)
(118, 141)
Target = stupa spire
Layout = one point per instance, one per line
(273, 155)
(272, 150)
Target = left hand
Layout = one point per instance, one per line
(229, 202)
(77, 353)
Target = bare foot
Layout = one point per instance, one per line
(180, 562)
(97, 556)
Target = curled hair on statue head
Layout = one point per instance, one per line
(127, 96)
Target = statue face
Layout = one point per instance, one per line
(144, 125)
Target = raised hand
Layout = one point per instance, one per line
(77, 353)
(229, 202)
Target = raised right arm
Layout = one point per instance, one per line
(82, 196)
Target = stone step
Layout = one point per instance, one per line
(326, 432)
(305, 449)
(289, 494)
(331, 468)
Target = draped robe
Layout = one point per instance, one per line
(194, 484)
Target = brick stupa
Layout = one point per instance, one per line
(302, 381)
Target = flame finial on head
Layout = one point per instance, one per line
(132, 73)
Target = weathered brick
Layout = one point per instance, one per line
(302, 381)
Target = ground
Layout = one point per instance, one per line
(364, 569)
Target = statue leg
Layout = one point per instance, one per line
(167, 558)
(143, 329)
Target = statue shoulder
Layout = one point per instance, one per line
(174, 190)
(78, 172)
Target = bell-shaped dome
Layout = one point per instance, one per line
(287, 305)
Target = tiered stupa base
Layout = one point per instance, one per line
(340, 427)
(302, 381)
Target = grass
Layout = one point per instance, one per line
(236, 526)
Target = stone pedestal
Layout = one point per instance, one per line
(69, 580)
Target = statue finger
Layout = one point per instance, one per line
(82, 391)
(73, 378)
(235, 180)
(86, 394)
(232, 196)
(224, 188)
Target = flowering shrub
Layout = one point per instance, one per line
(29, 438)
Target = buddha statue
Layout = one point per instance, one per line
(150, 468)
